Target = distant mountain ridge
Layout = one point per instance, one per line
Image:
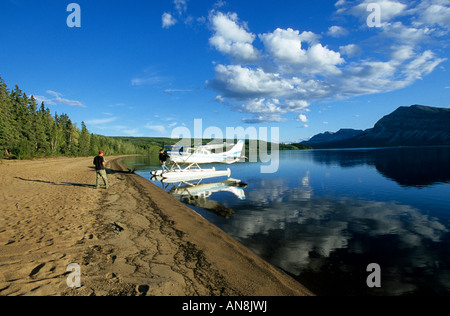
(342, 134)
(416, 125)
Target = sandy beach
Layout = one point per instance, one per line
(133, 239)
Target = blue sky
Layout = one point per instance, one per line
(145, 67)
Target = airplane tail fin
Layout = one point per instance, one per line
(236, 151)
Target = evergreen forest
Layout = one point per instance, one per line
(28, 130)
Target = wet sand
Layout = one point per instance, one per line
(132, 239)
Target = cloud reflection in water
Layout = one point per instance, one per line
(301, 233)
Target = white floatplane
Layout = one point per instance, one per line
(192, 157)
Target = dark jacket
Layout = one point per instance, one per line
(163, 157)
(98, 162)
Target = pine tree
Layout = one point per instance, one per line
(84, 141)
(71, 137)
(30, 126)
(94, 145)
(41, 135)
(62, 121)
(18, 120)
(56, 136)
(4, 119)
(26, 131)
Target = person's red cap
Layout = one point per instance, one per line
(101, 152)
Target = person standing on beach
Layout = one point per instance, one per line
(100, 169)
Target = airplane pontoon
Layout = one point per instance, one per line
(186, 162)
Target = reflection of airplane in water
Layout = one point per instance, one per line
(198, 194)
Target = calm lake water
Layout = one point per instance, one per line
(327, 214)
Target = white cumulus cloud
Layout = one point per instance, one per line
(389, 9)
(168, 20)
(302, 118)
(337, 31)
(232, 38)
(57, 99)
(286, 47)
(293, 68)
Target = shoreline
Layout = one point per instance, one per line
(133, 239)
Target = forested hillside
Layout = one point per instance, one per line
(29, 130)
